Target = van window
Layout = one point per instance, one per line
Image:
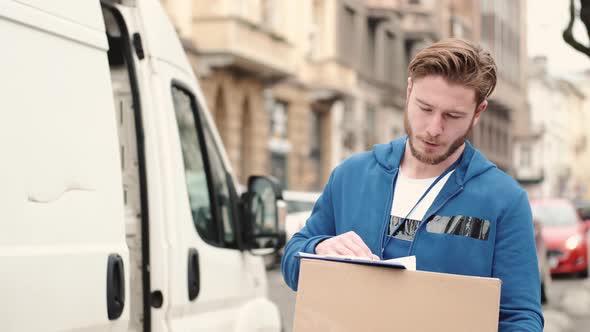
(207, 179)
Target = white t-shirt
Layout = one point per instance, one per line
(406, 194)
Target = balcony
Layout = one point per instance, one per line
(509, 95)
(383, 4)
(419, 20)
(230, 41)
(331, 77)
(530, 175)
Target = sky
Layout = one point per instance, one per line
(546, 20)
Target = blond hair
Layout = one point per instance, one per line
(459, 62)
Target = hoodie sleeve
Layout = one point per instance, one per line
(319, 226)
(515, 263)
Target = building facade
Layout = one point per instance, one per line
(549, 160)
(503, 33)
(297, 86)
(247, 55)
(581, 147)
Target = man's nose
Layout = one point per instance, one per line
(436, 125)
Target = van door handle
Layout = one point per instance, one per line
(115, 286)
(194, 278)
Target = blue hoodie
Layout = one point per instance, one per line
(358, 197)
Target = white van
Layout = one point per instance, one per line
(119, 209)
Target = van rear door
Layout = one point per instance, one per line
(63, 256)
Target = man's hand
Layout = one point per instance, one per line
(347, 244)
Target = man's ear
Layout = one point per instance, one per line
(409, 89)
(479, 111)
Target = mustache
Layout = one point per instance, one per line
(430, 139)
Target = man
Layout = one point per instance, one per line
(431, 194)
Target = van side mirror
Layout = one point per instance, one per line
(262, 213)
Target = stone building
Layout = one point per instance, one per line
(297, 86)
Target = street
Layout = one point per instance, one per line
(567, 311)
(283, 296)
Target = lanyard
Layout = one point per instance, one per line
(440, 177)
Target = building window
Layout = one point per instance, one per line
(278, 167)
(411, 48)
(458, 29)
(370, 127)
(488, 28)
(348, 126)
(315, 141)
(315, 144)
(389, 57)
(347, 38)
(279, 140)
(371, 45)
(525, 156)
(278, 120)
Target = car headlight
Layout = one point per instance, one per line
(573, 242)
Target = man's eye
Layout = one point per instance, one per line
(425, 109)
(453, 116)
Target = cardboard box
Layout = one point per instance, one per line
(338, 296)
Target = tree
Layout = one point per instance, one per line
(568, 35)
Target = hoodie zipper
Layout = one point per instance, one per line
(423, 222)
(387, 215)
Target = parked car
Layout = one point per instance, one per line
(565, 235)
(124, 213)
(544, 269)
(299, 207)
(583, 208)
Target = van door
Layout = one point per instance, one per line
(203, 280)
(63, 257)
(231, 288)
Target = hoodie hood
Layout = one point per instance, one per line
(472, 164)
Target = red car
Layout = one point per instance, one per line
(565, 235)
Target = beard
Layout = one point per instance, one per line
(433, 159)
